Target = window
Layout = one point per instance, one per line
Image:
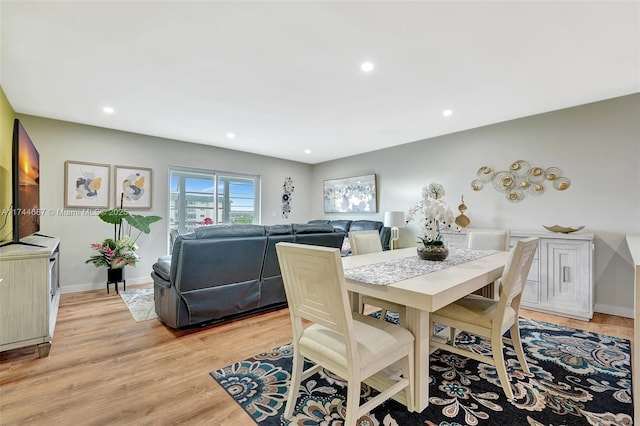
(193, 201)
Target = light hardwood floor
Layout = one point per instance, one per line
(106, 369)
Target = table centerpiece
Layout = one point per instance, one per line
(433, 216)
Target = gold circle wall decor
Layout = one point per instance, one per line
(520, 179)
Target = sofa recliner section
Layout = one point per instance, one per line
(223, 271)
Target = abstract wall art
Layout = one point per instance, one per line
(133, 185)
(86, 185)
(350, 195)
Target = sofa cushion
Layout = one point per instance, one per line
(228, 231)
(343, 225)
(278, 229)
(366, 225)
(319, 222)
(306, 228)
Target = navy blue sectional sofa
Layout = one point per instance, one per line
(221, 272)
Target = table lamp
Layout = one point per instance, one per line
(394, 220)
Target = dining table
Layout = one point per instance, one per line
(422, 286)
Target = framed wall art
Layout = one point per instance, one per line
(350, 195)
(86, 185)
(133, 185)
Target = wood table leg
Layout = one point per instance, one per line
(418, 324)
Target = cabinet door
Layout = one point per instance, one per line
(566, 283)
(24, 300)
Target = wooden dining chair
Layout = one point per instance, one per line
(491, 318)
(364, 242)
(349, 344)
(489, 240)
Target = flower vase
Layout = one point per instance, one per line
(435, 251)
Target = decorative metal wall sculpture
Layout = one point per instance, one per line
(287, 197)
(520, 179)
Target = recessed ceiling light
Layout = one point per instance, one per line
(367, 66)
(447, 113)
(108, 110)
(307, 151)
(231, 135)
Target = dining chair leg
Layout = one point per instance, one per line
(407, 369)
(296, 378)
(516, 341)
(353, 402)
(498, 358)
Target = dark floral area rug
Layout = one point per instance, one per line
(577, 378)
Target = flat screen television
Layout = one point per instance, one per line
(25, 186)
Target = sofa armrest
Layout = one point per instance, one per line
(162, 268)
(157, 280)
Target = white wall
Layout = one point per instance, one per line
(597, 146)
(58, 141)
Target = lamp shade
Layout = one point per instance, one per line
(394, 219)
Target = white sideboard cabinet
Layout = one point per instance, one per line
(561, 279)
(29, 293)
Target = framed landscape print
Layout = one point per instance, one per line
(133, 185)
(86, 185)
(350, 195)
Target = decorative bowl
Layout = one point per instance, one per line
(437, 253)
(563, 229)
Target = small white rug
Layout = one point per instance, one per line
(140, 303)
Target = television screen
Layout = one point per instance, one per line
(26, 184)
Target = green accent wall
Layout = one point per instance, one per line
(7, 115)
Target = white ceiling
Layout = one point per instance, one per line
(285, 76)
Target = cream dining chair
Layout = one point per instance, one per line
(363, 242)
(489, 240)
(351, 345)
(491, 318)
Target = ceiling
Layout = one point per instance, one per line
(285, 76)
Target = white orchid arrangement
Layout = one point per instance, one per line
(434, 215)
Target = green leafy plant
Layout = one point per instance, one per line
(118, 215)
(120, 251)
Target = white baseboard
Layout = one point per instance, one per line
(613, 310)
(101, 285)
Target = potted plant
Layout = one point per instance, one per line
(117, 252)
(434, 215)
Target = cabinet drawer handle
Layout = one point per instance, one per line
(565, 274)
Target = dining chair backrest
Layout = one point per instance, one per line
(363, 242)
(489, 240)
(514, 275)
(314, 283)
